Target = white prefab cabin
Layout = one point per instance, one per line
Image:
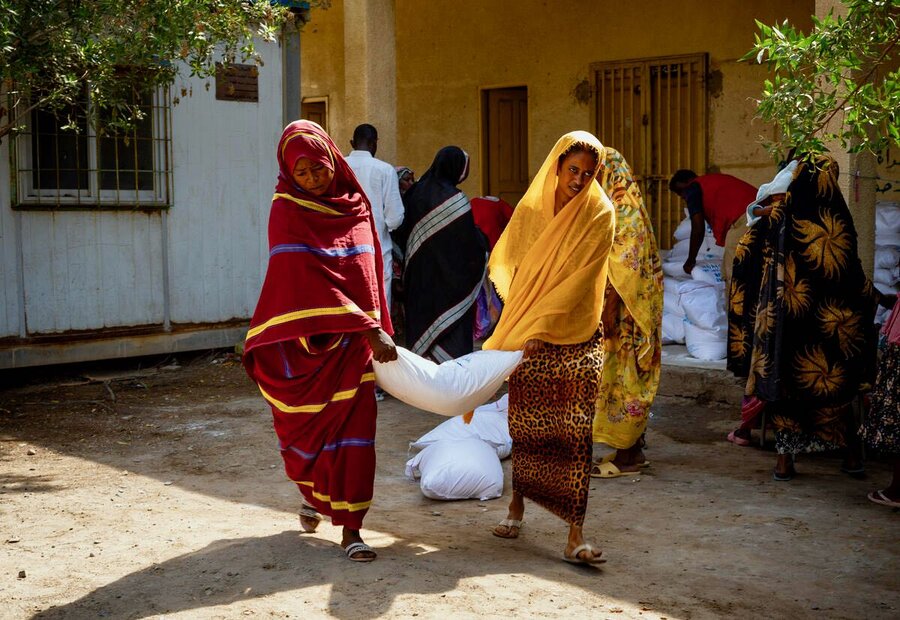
(155, 244)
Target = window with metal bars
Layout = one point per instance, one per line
(63, 162)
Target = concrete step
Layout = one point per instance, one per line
(707, 383)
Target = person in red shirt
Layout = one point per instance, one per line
(721, 200)
(491, 216)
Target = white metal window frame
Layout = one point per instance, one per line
(93, 195)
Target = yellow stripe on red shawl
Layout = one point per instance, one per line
(551, 270)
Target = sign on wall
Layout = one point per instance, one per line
(237, 82)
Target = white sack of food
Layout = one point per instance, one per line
(887, 276)
(672, 269)
(457, 469)
(703, 303)
(672, 329)
(671, 300)
(887, 217)
(886, 257)
(708, 250)
(708, 271)
(888, 238)
(455, 387)
(489, 423)
(679, 251)
(705, 344)
(683, 230)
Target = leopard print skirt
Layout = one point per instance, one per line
(551, 410)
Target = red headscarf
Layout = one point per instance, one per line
(309, 140)
(323, 250)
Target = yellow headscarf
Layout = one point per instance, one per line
(550, 270)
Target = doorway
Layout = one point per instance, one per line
(315, 110)
(505, 143)
(653, 111)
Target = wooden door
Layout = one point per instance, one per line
(315, 111)
(505, 144)
(653, 111)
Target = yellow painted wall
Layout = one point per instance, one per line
(446, 51)
(322, 67)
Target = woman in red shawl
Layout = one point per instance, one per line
(317, 326)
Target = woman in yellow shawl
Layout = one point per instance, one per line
(632, 316)
(550, 268)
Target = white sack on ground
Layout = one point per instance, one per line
(683, 230)
(886, 257)
(673, 269)
(672, 329)
(489, 423)
(708, 271)
(705, 344)
(887, 217)
(887, 276)
(704, 304)
(462, 469)
(455, 387)
(708, 250)
(671, 300)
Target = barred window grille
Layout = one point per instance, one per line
(61, 167)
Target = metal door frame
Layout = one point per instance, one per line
(649, 165)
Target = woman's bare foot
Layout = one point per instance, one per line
(352, 537)
(507, 527)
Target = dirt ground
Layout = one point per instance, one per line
(155, 489)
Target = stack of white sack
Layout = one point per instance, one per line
(673, 313)
(705, 322)
(709, 252)
(887, 251)
(462, 461)
(676, 326)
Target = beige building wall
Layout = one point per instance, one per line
(348, 57)
(447, 52)
(444, 53)
(322, 67)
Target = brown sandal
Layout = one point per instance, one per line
(308, 512)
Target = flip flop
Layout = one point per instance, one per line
(609, 457)
(738, 441)
(509, 524)
(786, 477)
(880, 498)
(572, 558)
(353, 548)
(308, 512)
(857, 472)
(610, 470)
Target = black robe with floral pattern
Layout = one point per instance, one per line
(801, 319)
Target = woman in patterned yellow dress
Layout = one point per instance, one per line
(632, 316)
(802, 326)
(550, 268)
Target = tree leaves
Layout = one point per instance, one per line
(50, 48)
(839, 82)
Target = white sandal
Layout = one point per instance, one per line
(357, 547)
(572, 558)
(509, 524)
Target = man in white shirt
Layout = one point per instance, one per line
(379, 181)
